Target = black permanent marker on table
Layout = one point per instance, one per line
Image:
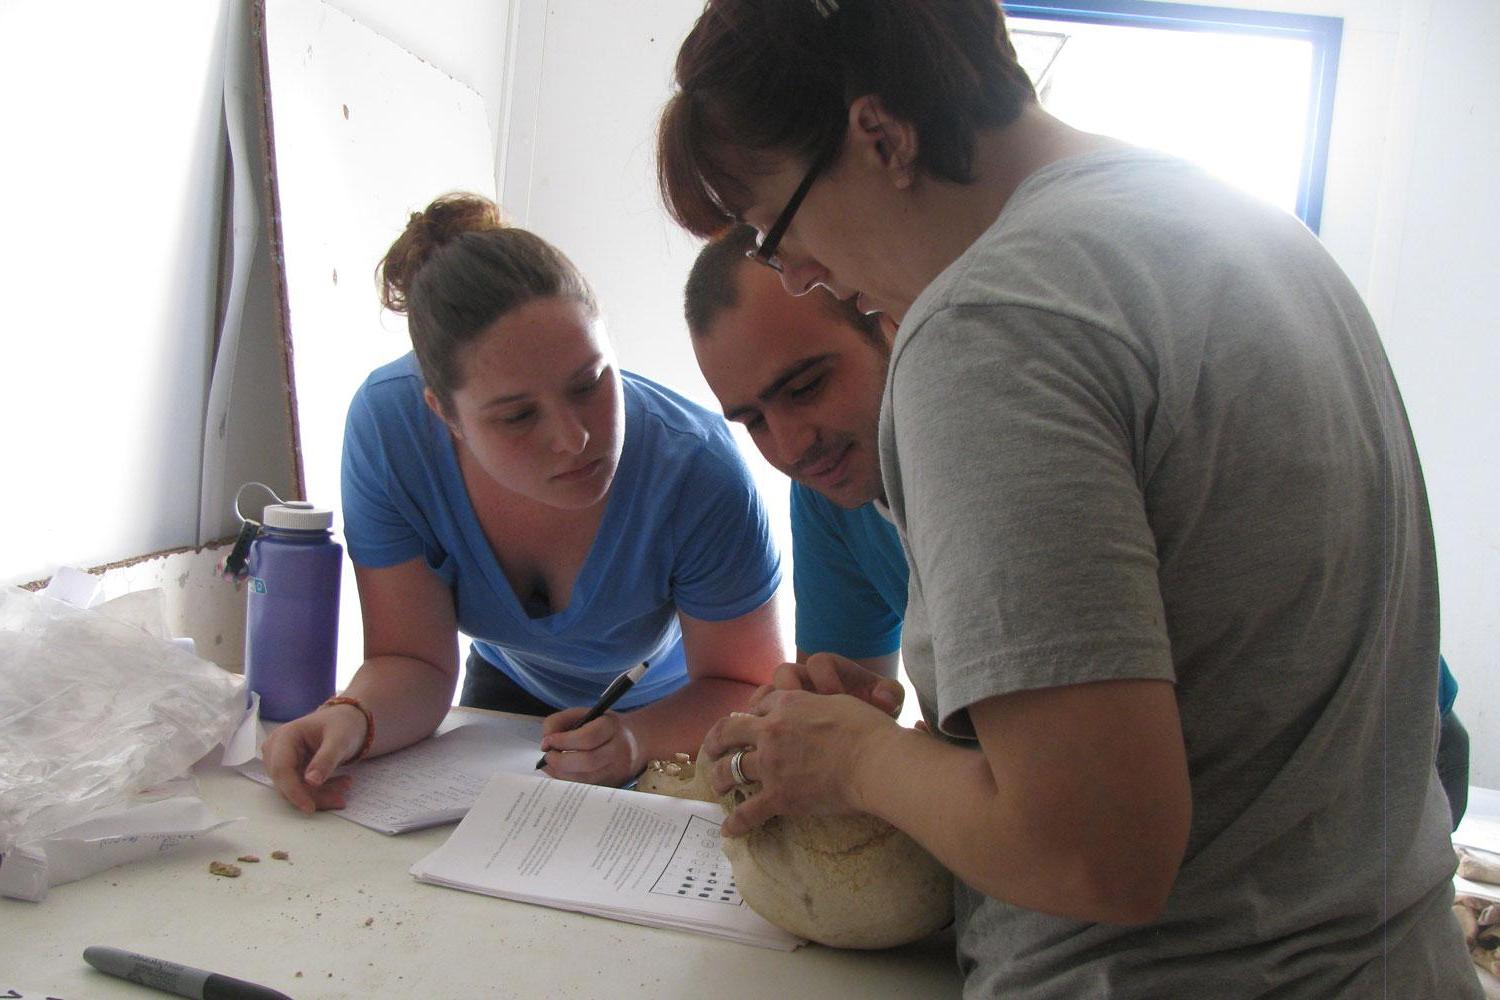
(174, 978)
(617, 687)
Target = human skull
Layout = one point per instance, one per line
(850, 881)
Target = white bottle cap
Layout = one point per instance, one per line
(297, 515)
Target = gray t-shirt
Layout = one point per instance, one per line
(1144, 428)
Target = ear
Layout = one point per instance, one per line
(436, 406)
(886, 142)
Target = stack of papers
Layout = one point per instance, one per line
(435, 781)
(612, 852)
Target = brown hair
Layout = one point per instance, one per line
(776, 77)
(456, 269)
(713, 286)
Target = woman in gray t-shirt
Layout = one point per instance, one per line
(1173, 600)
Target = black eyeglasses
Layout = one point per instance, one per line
(765, 252)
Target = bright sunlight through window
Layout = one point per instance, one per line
(1244, 103)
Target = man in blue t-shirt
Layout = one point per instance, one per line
(805, 377)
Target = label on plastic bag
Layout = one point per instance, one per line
(112, 838)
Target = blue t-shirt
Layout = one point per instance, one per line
(1447, 687)
(683, 529)
(849, 576)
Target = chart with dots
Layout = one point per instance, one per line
(698, 868)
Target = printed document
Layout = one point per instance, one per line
(612, 852)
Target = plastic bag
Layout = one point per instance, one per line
(93, 710)
(162, 820)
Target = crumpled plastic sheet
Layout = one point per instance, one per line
(94, 710)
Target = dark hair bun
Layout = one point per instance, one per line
(427, 231)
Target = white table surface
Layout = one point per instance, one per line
(343, 918)
(300, 926)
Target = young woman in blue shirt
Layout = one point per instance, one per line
(507, 482)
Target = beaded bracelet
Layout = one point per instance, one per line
(364, 747)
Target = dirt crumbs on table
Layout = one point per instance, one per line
(369, 921)
(252, 859)
(223, 868)
(281, 855)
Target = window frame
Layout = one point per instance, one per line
(1325, 34)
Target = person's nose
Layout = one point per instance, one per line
(569, 433)
(800, 275)
(791, 438)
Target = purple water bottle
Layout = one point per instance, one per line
(292, 615)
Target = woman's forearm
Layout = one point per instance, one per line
(1087, 822)
(944, 796)
(678, 722)
(406, 697)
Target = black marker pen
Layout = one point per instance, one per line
(174, 978)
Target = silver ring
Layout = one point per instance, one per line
(735, 770)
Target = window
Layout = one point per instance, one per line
(1246, 94)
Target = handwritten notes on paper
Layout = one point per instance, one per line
(435, 781)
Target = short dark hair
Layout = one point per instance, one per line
(777, 76)
(713, 286)
(456, 269)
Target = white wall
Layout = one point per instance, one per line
(590, 79)
(1444, 340)
(110, 186)
(365, 132)
(113, 191)
(464, 38)
(115, 172)
(586, 179)
(1410, 212)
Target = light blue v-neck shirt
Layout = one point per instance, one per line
(683, 529)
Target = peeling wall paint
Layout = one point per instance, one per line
(199, 603)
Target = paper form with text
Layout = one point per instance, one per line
(612, 852)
